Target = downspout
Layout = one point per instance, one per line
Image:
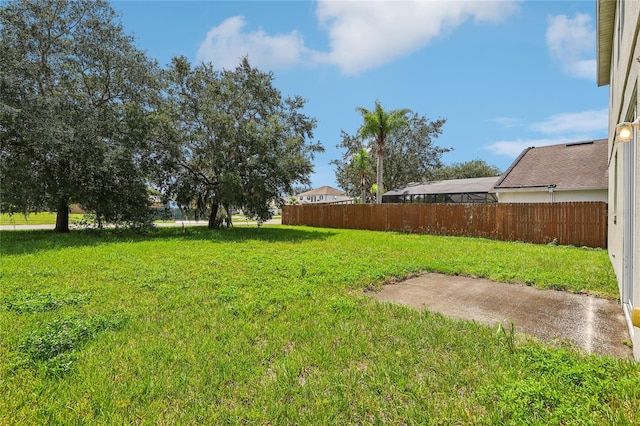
(551, 188)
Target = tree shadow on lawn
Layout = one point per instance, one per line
(32, 241)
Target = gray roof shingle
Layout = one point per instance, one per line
(567, 166)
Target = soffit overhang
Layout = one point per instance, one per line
(605, 21)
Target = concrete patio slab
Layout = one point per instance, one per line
(593, 324)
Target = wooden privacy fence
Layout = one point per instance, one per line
(573, 223)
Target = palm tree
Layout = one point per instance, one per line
(378, 124)
(361, 162)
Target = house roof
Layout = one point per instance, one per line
(581, 165)
(453, 186)
(323, 190)
(605, 21)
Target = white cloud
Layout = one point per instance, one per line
(226, 44)
(365, 35)
(513, 148)
(572, 42)
(592, 121)
(508, 122)
(556, 129)
(362, 34)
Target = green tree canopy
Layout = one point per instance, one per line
(466, 170)
(411, 155)
(74, 97)
(235, 141)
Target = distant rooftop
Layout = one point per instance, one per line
(452, 186)
(323, 190)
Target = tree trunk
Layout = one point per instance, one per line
(379, 173)
(227, 218)
(62, 217)
(213, 217)
(363, 189)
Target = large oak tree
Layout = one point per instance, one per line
(74, 106)
(236, 141)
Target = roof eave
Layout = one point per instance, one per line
(605, 22)
(512, 166)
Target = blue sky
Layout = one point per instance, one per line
(505, 74)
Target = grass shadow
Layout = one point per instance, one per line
(33, 241)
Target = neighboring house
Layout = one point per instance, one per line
(556, 173)
(76, 209)
(618, 64)
(324, 194)
(474, 190)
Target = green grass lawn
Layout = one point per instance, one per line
(271, 325)
(35, 219)
(239, 218)
(50, 219)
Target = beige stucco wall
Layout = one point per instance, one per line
(557, 196)
(623, 104)
(321, 198)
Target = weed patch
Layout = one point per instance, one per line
(24, 302)
(53, 344)
(557, 385)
